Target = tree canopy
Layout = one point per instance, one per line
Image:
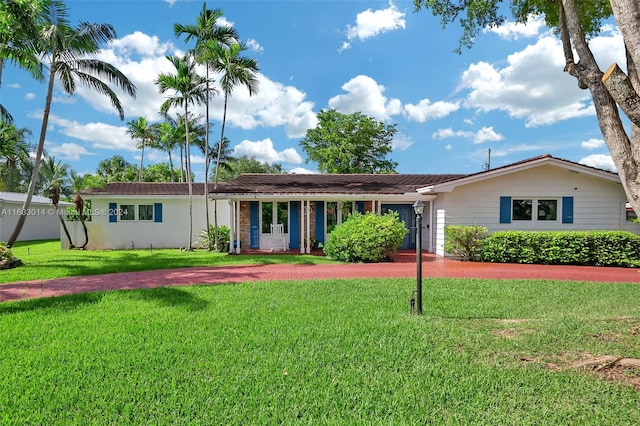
(353, 143)
(575, 22)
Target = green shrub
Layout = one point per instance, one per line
(465, 241)
(207, 240)
(599, 248)
(7, 259)
(366, 238)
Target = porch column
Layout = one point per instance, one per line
(430, 227)
(302, 236)
(236, 219)
(308, 212)
(231, 226)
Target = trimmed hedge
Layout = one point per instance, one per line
(366, 238)
(598, 248)
(465, 241)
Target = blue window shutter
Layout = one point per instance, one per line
(360, 206)
(113, 210)
(254, 224)
(157, 212)
(505, 209)
(319, 228)
(294, 229)
(567, 209)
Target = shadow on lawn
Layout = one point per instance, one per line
(169, 297)
(65, 303)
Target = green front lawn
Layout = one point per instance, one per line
(323, 352)
(45, 259)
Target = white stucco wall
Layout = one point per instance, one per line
(172, 232)
(41, 222)
(597, 203)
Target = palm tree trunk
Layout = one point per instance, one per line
(36, 165)
(141, 163)
(188, 171)
(64, 225)
(181, 164)
(215, 181)
(206, 172)
(173, 173)
(86, 231)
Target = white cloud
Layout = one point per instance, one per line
(265, 152)
(141, 44)
(303, 171)
(254, 45)
(600, 161)
(592, 144)
(274, 105)
(529, 87)
(14, 86)
(487, 134)
(426, 110)
(514, 31)
(371, 23)
(482, 135)
(67, 151)
(30, 96)
(99, 135)
(532, 86)
(401, 142)
(365, 95)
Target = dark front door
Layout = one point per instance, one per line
(405, 213)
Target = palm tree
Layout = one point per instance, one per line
(21, 20)
(226, 156)
(14, 156)
(142, 132)
(167, 137)
(55, 176)
(67, 52)
(206, 32)
(189, 88)
(235, 70)
(78, 183)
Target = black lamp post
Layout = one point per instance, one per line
(418, 208)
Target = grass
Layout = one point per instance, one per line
(321, 352)
(45, 259)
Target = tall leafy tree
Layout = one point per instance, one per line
(353, 143)
(56, 183)
(234, 167)
(189, 88)
(234, 70)
(575, 21)
(207, 32)
(68, 54)
(15, 163)
(142, 132)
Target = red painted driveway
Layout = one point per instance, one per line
(404, 265)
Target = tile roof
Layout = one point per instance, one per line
(330, 183)
(147, 188)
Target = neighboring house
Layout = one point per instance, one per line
(129, 215)
(42, 222)
(541, 193)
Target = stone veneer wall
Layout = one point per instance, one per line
(244, 221)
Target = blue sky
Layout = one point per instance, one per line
(507, 94)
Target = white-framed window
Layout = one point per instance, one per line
(273, 213)
(534, 209)
(127, 212)
(145, 212)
